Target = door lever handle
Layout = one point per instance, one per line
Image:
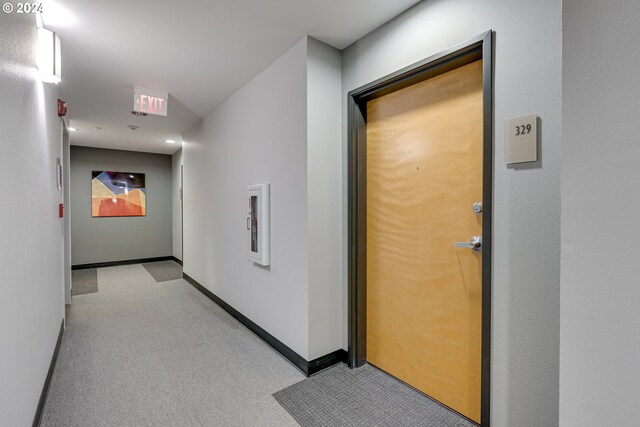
(475, 243)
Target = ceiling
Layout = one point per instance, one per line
(199, 51)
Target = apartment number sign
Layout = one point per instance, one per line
(521, 140)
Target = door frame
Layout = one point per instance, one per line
(66, 220)
(479, 47)
(182, 207)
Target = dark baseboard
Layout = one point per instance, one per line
(323, 362)
(124, 262)
(179, 261)
(47, 382)
(306, 367)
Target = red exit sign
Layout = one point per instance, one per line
(150, 101)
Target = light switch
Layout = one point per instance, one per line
(521, 142)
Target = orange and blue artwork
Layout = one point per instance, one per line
(118, 194)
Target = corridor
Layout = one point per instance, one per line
(340, 213)
(145, 353)
(140, 350)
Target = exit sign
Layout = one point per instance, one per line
(150, 101)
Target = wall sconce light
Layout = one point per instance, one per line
(49, 57)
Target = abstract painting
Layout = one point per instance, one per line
(117, 194)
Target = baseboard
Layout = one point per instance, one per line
(323, 362)
(179, 261)
(47, 382)
(124, 262)
(306, 367)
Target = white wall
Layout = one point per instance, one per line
(324, 171)
(600, 294)
(282, 128)
(258, 135)
(176, 203)
(526, 271)
(31, 284)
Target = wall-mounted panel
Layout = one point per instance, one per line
(258, 225)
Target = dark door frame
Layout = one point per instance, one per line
(66, 220)
(479, 47)
(182, 207)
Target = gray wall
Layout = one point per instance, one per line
(600, 293)
(176, 163)
(526, 267)
(31, 275)
(116, 239)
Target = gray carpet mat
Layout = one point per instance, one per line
(84, 281)
(163, 271)
(365, 396)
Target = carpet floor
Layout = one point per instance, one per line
(143, 353)
(363, 397)
(163, 271)
(84, 281)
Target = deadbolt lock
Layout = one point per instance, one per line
(477, 207)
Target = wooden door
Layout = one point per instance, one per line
(424, 296)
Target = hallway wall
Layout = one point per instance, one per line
(256, 136)
(31, 276)
(526, 270)
(324, 185)
(176, 202)
(600, 292)
(282, 128)
(95, 240)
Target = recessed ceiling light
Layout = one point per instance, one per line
(170, 141)
(72, 129)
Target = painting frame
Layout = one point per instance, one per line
(118, 194)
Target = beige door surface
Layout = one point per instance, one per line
(424, 296)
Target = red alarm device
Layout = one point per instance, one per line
(62, 108)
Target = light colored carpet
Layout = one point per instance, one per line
(84, 281)
(163, 271)
(142, 353)
(363, 397)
